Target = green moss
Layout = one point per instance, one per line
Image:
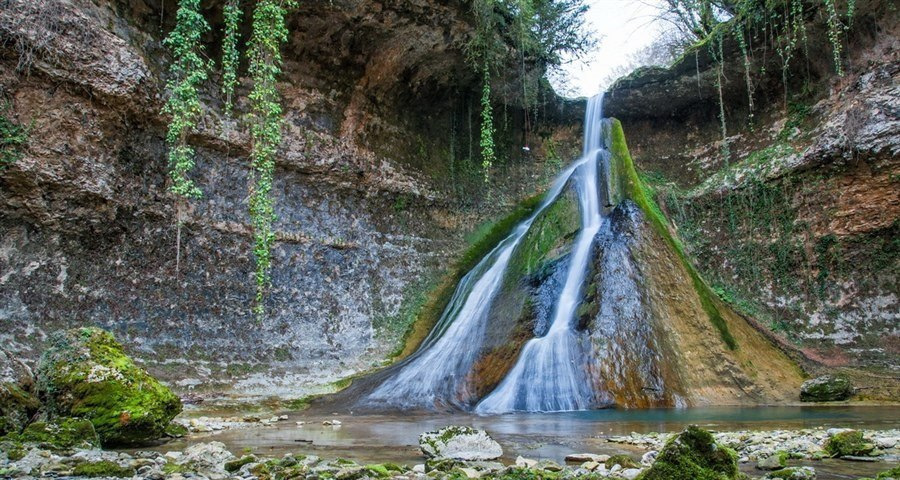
(176, 430)
(846, 443)
(634, 189)
(236, 465)
(62, 433)
(104, 468)
(14, 452)
(85, 373)
(693, 455)
(892, 473)
(17, 406)
(554, 225)
(623, 461)
(170, 468)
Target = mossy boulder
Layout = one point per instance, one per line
(794, 473)
(103, 468)
(18, 404)
(61, 434)
(693, 455)
(623, 461)
(826, 388)
(85, 373)
(848, 443)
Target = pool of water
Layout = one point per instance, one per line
(394, 437)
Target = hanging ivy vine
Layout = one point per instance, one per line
(488, 156)
(230, 55)
(188, 71)
(264, 52)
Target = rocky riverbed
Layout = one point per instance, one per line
(460, 453)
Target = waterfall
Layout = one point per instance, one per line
(549, 374)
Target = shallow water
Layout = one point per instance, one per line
(394, 437)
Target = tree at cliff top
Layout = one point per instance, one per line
(269, 33)
(543, 31)
(188, 71)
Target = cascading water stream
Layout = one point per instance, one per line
(434, 376)
(549, 374)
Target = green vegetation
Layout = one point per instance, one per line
(60, 434)
(230, 55)
(13, 138)
(188, 71)
(635, 189)
(693, 455)
(236, 465)
(85, 373)
(103, 468)
(269, 33)
(623, 461)
(846, 443)
(17, 407)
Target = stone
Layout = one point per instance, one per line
(630, 473)
(208, 459)
(419, 468)
(470, 472)
(586, 457)
(793, 473)
(826, 388)
(459, 443)
(692, 454)
(526, 462)
(62, 433)
(772, 462)
(18, 404)
(648, 458)
(85, 373)
(848, 443)
(590, 466)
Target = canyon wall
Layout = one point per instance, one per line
(378, 181)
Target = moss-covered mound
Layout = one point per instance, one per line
(17, 401)
(693, 455)
(826, 388)
(86, 374)
(849, 443)
(64, 433)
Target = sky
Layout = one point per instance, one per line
(623, 27)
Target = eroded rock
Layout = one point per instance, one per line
(826, 388)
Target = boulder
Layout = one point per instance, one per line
(693, 454)
(848, 443)
(826, 388)
(775, 461)
(60, 434)
(459, 443)
(794, 473)
(85, 373)
(17, 400)
(207, 459)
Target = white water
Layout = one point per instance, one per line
(550, 374)
(435, 376)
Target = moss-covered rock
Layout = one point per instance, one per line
(236, 465)
(85, 373)
(794, 473)
(623, 461)
(693, 455)
(17, 400)
(848, 443)
(63, 433)
(826, 388)
(103, 468)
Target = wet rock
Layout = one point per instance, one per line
(527, 462)
(826, 388)
(794, 473)
(17, 400)
(459, 443)
(693, 454)
(630, 473)
(85, 373)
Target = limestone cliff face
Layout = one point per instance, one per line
(799, 228)
(379, 115)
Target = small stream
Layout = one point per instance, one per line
(394, 438)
